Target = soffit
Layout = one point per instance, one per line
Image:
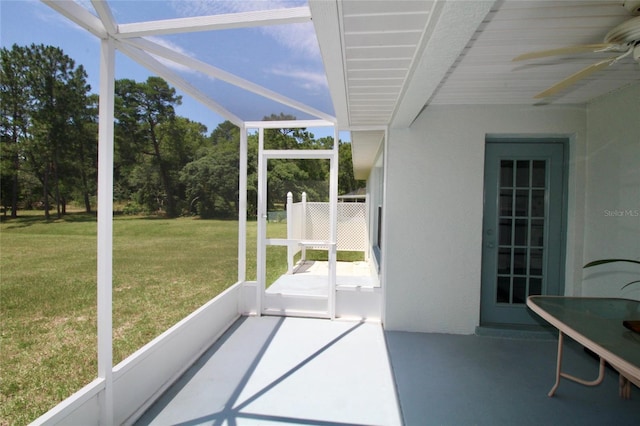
(383, 70)
(369, 49)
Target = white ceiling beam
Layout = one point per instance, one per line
(152, 64)
(214, 72)
(287, 124)
(329, 33)
(105, 15)
(79, 15)
(447, 34)
(257, 18)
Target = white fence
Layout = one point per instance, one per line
(309, 221)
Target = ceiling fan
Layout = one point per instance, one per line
(623, 39)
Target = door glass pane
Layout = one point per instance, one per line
(505, 232)
(506, 173)
(519, 289)
(506, 202)
(539, 174)
(522, 173)
(535, 265)
(535, 286)
(503, 294)
(504, 261)
(520, 232)
(537, 203)
(522, 202)
(520, 261)
(537, 232)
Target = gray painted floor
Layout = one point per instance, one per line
(293, 371)
(472, 380)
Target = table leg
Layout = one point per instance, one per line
(625, 387)
(558, 364)
(560, 374)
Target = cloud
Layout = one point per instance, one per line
(216, 7)
(176, 48)
(299, 38)
(308, 80)
(51, 17)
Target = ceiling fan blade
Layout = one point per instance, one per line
(574, 78)
(585, 48)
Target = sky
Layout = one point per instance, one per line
(284, 58)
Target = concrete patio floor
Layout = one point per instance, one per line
(294, 371)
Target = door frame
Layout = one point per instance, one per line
(324, 154)
(564, 143)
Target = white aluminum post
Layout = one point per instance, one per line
(242, 208)
(289, 232)
(333, 220)
(105, 227)
(367, 218)
(383, 249)
(304, 225)
(262, 225)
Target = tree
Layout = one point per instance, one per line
(143, 108)
(346, 181)
(224, 133)
(85, 131)
(212, 180)
(13, 127)
(44, 100)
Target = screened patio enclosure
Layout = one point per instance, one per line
(120, 394)
(422, 86)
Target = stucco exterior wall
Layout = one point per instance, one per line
(434, 205)
(613, 193)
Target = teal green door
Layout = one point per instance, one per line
(523, 228)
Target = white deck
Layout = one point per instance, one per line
(310, 278)
(275, 370)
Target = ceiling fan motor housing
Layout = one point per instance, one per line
(633, 6)
(626, 33)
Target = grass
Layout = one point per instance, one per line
(163, 270)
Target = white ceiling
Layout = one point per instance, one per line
(485, 73)
(387, 60)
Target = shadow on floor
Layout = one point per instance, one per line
(285, 371)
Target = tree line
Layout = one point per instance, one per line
(163, 163)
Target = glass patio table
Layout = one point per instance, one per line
(596, 323)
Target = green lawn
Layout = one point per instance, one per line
(163, 270)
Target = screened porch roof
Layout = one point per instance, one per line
(236, 58)
(366, 65)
